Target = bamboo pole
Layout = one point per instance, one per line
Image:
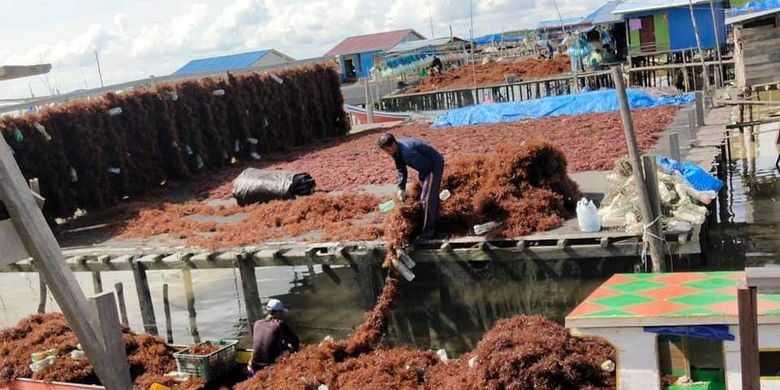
(705, 71)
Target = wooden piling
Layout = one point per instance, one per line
(109, 335)
(97, 282)
(674, 146)
(167, 308)
(189, 293)
(254, 308)
(120, 298)
(144, 298)
(699, 109)
(41, 294)
(748, 337)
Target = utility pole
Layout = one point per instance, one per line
(652, 227)
(471, 39)
(705, 71)
(717, 43)
(97, 60)
(430, 21)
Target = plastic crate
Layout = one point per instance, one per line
(211, 366)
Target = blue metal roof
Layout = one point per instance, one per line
(603, 14)
(633, 6)
(556, 23)
(222, 63)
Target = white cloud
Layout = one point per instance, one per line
(132, 48)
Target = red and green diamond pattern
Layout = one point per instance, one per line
(669, 295)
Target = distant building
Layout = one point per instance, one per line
(358, 54)
(233, 62)
(555, 30)
(663, 26)
(756, 43)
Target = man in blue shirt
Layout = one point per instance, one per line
(429, 163)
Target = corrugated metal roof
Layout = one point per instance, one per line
(422, 43)
(603, 14)
(370, 42)
(222, 63)
(632, 6)
(751, 16)
(555, 23)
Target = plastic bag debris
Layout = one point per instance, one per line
(587, 216)
(682, 205)
(256, 185)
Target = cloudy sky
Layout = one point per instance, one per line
(139, 38)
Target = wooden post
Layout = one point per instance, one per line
(189, 292)
(97, 282)
(654, 228)
(41, 294)
(120, 298)
(254, 309)
(699, 109)
(748, 337)
(674, 146)
(109, 334)
(144, 298)
(369, 101)
(167, 309)
(692, 124)
(40, 243)
(650, 169)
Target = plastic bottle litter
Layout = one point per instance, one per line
(442, 353)
(485, 227)
(114, 170)
(587, 216)
(255, 156)
(76, 354)
(115, 111)
(444, 195)
(218, 92)
(387, 206)
(608, 366)
(41, 364)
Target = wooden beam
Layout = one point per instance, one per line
(97, 282)
(41, 294)
(40, 243)
(748, 337)
(167, 310)
(110, 335)
(189, 293)
(144, 298)
(9, 72)
(254, 308)
(120, 299)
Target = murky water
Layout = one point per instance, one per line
(448, 305)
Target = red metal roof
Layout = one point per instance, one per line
(370, 42)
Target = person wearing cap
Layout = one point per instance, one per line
(271, 337)
(429, 163)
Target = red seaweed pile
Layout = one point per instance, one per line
(148, 356)
(90, 154)
(334, 216)
(528, 352)
(493, 73)
(523, 186)
(590, 142)
(203, 349)
(522, 352)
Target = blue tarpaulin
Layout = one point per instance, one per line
(712, 332)
(497, 38)
(754, 6)
(582, 103)
(699, 179)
